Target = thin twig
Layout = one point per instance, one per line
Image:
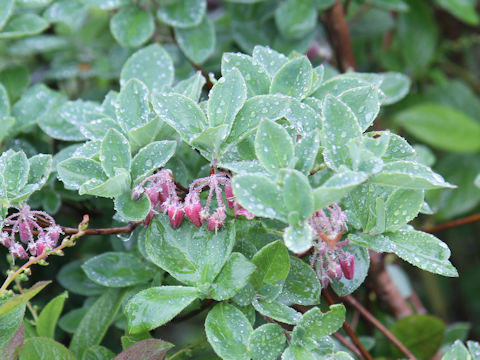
(453, 223)
(101, 231)
(285, 331)
(195, 312)
(348, 329)
(345, 342)
(372, 319)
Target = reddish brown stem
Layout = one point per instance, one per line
(339, 36)
(345, 342)
(102, 231)
(453, 223)
(348, 329)
(368, 316)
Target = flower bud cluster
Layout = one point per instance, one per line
(329, 260)
(34, 238)
(161, 190)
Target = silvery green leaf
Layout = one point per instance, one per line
(40, 169)
(197, 42)
(410, 175)
(209, 140)
(364, 103)
(228, 330)
(272, 264)
(105, 4)
(306, 150)
(336, 187)
(191, 87)
(69, 13)
(4, 102)
(297, 195)
(418, 248)
(226, 98)
(151, 157)
(14, 167)
(111, 188)
(115, 153)
(133, 107)
(89, 149)
(319, 73)
(96, 130)
(298, 238)
(79, 112)
(259, 195)
(6, 9)
(132, 26)
(181, 113)
(398, 149)
(273, 146)
(395, 86)
(277, 311)
(6, 124)
(145, 134)
(270, 59)
(294, 78)
(132, 210)
(152, 65)
(344, 286)
(182, 13)
(457, 351)
(338, 84)
(339, 126)
(362, 158)
(266, 342)
(255, 76)
(23, 25)
(303, 117)
(295, 18)
(76, 171)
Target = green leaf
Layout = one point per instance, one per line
(15, 79)
(295, 352)
(344, 286)
(273, 146)
(474, 348)
(297, 195)
(115, 153)
(191, 255)
(410, 175)
(181, 113)
(132, 26)
(76, 171)
(228, 331)
(457, 351)
(339, 126)
(395, 86)
(197, 42)
(48, 317)
(259, 195)
(182, 13)
(117, 269)
(298, 238)
(72, 278)
(191, 87)
(145, 134)
(418, 248)
(69, 322)
(145, 350)
(68, 13)
(294, 78)
(151, 157)
(14, 167)
(306, 150)
(364, 103)
(256, 77)
(142, 310)
(272, 263)
(10, 350)
(97, 352)
(110, 188)
(266, 342)
(210, 139)
(226, 98)
(105, 4)
(152, 65)
(18, 300)
(132, 210)
(234, 276)
(97, 320)
(6, 124)
(42, 348)
(6, 9)
(442, 127)
(313, 325)
(133, 108)
(9, 323)
(336, 187)
(4, 102)
(421, 334)
(40, 168)
(337, 85)
(23, 25)
(271, 60)
(277, 311)
(295, 18)
(301, 285)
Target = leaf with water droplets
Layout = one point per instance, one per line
(344, 286)
(298, 238)
(40, 168)
(272, 264)
(42, 348)
(295, 18)
(271, 60)
(306, 150)
(293, 79)
(23, 25)
(273, 146)
(133, 107)
(228, 331)
(259, 195)
(15, 168)
(457, 351)
(182, 13)
(418, 248)
(298, 195)
(266, 342)
(76, 171)
(364, 103)
(277, 311)
(115, 153)
(151, 157)
(337, 85)
(394, 86)
(111, 188)
(197, 42)
(132, 26)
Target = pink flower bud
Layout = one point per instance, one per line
(53, 233)
(40, 246)
(348, 265)
(18, 251)
(324, 281)
(176, 214)
(149, 218)
(216, 220)
(229, 195)
(239, 210)
(153, 195)
(335, 271)
(164, 193)
(5, 239)
(192, 208)
(25, 230)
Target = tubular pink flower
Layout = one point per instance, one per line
(18, 251)
(176, 215)
(348, 266)
(193, 208)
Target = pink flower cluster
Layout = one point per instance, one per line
(329, 260)
(161, 190)
(36, 238)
